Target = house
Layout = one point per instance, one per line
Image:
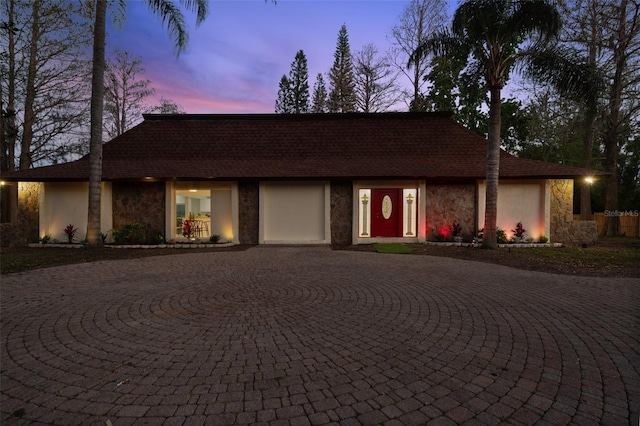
(300, 179)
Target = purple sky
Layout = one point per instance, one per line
(235, 59)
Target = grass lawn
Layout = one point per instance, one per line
(615, 257)
(396, 248)
(25, 258)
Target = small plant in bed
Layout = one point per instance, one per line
(70, 232)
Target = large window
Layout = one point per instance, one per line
(193, 213)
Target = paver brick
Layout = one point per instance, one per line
(300, 335)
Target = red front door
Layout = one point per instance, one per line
(386, 212)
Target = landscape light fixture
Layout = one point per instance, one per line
(589, 180)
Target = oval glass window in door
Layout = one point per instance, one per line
(387, 207)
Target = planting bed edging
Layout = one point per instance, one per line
(518, 245)
(136, 246)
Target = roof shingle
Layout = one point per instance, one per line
(297, 146)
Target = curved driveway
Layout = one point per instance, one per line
(307, 335)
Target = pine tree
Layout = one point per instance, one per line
(319, 99)
(342, 97)
(299, 83)
(293, 92)
(284, 103)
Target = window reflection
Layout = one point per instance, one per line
(193, 213)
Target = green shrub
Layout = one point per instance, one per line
(159, 238)
(438, 237)
(543, 239)
(501, 236)
(215, 238)
(130, 233)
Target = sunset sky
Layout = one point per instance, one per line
(235, 59)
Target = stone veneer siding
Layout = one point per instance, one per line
(447, 203)
(561, 208)
(27, 229)
(248, 212)
(562, 227)
(140, 202)
(341, 212)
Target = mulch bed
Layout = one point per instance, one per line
(583, 263)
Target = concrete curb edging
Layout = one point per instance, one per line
(478, 245)
(138, 246)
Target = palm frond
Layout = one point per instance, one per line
(171, 15)
(474, 19)
(440, 44)
(119, 14)
(536, 19)
(572, 75)
(201, 7)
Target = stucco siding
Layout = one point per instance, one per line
(221, 213)
(518, 201)
(67, 203)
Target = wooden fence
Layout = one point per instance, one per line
(629, 222)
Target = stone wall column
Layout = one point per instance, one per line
(140, 202)
(26, 228)
(341, 212)
(563, 228)
(248, 212)
(448, 203)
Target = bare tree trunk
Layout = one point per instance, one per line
(591, 111)
(489, 237)
(612, 220)
(585, 189)
(418, 67)
(9, 133)
(11, 96)
(29, 115)
(8, 193)
(94, 237)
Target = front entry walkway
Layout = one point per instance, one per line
(307, 335)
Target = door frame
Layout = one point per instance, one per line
(421, 231)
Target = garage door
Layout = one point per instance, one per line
(294, 213)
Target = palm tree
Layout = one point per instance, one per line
(495, 34)
(174, 19)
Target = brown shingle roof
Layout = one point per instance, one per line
(304, 146)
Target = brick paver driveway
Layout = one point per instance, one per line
(307, 335)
